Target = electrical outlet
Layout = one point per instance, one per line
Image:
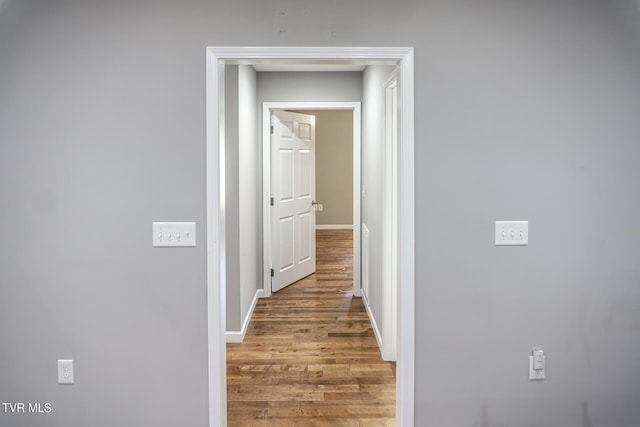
(537, 364)
(65, 372)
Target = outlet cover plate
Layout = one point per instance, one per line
(65, 372)
(535, 374)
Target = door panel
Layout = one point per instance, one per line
(286, 175)
(293, 190)
(304, 177)
(286, 243)
(305, 237)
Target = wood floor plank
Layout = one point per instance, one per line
(310, 357)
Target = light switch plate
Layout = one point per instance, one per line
(512, 233)
(174, 234)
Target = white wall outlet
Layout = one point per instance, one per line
(174, 234)
(537, 365)
(512, 233)
(65, 372)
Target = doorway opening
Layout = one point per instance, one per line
(217, 57)
(267, 109)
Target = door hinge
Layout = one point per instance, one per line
(272, 273)
(272, 201)
(271, 130)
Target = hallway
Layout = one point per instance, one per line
(310, 356)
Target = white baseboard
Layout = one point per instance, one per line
(238, 336)
(334, 227)
(376, 330)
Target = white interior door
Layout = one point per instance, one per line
(293, 189)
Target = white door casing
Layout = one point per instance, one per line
(217, 57)
(293, 190)
(390, 220)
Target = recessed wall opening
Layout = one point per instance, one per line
(217, 58)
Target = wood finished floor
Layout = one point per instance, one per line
(310, 357)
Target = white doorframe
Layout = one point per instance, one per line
(390, 219)
(215, 215)
(267, 108)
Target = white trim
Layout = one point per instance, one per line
(334, 227)
(357, 185)
(266, 206)
(216, 292)
(238, 336)
(365, 245)
(405, 385)
(389, 223)
(267, 107)
(372, 319)
(216, 310)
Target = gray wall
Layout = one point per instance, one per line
(102, 130)
(232, 202)
(524, 110)
(243, 198)
(527, 112)
(250, 194)
(334, 166)
(309, 87)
